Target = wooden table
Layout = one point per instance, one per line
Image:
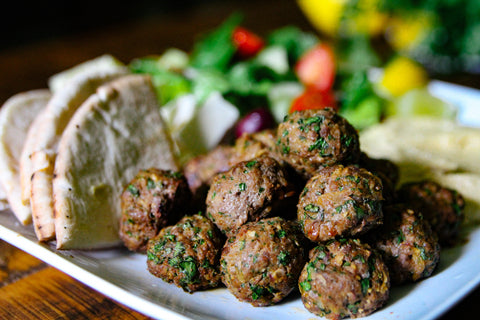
(29, 288)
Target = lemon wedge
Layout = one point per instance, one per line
(401, 75)
(324, 15)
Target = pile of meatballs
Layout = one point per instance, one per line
(295, 207)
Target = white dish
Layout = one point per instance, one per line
(123, 276)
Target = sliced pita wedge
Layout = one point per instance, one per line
(104, 62)
(113, 135)
(3, 199)
(38, 155)
(16, 116)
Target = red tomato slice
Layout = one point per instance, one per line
(248, 43)
(312, 98)
(317, 67)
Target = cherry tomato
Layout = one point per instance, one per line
(317, 67)
(312, 98)
(248, 43)
(254, 121)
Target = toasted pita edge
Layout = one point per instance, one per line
(16, 116)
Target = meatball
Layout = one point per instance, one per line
(344, 278)
(312, 139)
(442, 207)
(267, 137)
(153, 199)
(200, 170)
(340, 201)
(249, 191)
(407, 243)
(261, 263)
(252, 145)
(387, 171)
(187, 254)
(383, 167)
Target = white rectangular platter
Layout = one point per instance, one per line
(123, 275)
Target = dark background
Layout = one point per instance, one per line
(26, 21)
(39, 39)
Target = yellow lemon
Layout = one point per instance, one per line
(328, 16)
(324, 15)
(401, 75)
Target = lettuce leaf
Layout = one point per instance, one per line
(216, 49)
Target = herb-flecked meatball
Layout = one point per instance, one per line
(261, 263)
(187, 254)
(385, 167)
(442, 207)
(252, 145)
(153, 199)
(340, 201)
(387, 171)
(407, 243)
(344, 278)
(249, 191)
(312, 139)
(200, 170)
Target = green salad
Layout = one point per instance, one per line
(232, 73)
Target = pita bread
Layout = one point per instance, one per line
(38, 155)
(113, 135)
(3, 199)
(16, 116)
(104, 62)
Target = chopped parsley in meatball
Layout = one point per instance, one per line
(407, 243)
(442, 207)
(249, 191)
(340, 201)
(344, 278)
(153, 199)
(261, 263)
(187, 254)
(311, 139)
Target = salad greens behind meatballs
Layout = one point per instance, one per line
(262, 77)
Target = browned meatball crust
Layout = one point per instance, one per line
(252, 145)
(340, 201)
(200, 170)
(153, 199)
(187, 254)
(261, 263)
(387, 171)
(249, 191)
(344, 278)
(407, 243)
(312, 139)
(442, 207)
(385, 167)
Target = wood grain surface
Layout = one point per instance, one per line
(29, 288)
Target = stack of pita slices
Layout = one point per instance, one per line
(67, 153)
